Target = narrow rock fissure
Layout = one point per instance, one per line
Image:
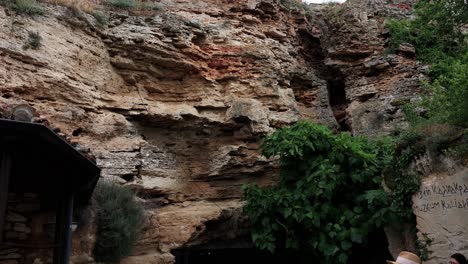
(338, 102)
(314, 51)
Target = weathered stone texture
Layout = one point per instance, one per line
(175, 105)
(441, 208)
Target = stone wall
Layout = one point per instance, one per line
(441, 207)
(175, 104)
(24, 240)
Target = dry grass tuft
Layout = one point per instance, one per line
(88, 6)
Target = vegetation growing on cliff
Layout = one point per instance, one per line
(437, 34)
(28, 7)
(330, 194)
(119, 219)
(93, 7)
(295, 6)
(34, 41)
(331, 190)
(124, 4)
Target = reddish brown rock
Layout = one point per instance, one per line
(175, 104)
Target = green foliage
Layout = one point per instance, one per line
(295, 6)
(151, 6)
(34, 41)
(446, 101)
(123, 4)
(28, 7)
(119, 217)
(101, 18)
(422, 247)
(436, 33)
(329, 197)
(335, 13)
(401, 183)
(436, 30)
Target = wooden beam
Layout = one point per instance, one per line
(63, 234)
(5, 170)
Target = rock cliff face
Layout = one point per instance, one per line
(175, 104)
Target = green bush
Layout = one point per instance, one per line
(335, 14)
(29, 7)
(123, 4)
(436, 30)
(436, 33)
(402, 183)
(119, 219)
(329, 197)
(446, 100)
(101, 18)
(293, 5)
(151, 6)
(34, 41)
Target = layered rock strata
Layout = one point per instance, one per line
(175, 104)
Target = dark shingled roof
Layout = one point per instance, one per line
(43, 162)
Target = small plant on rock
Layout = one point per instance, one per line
(422, 246)
(87, 6)
(151, 6)
(293, 5)
(123, 4)
(101, 18)
(28, 7)
(34, 41)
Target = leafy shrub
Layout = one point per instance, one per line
(402, 183)
(29, 7)
(422, 246)
(329, 197)
(123, 4)
(446, 101)
(437, 35)
(436, 30)
(119, 217)
(34, 41)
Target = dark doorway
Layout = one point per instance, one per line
(338, 103)
(374, 252)
(232, 256)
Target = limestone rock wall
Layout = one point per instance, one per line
(23, 241)
(441, 206)
(175, 104)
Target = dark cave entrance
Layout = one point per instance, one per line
(336, 85)
(337, 99)
(236, 256)
(374, 252)
(226, 256)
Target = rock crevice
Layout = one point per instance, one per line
(175, 105)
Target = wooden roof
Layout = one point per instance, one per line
(42, 162)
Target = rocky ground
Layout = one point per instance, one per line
(174, 104)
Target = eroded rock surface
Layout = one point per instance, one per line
(441, 206)
(175, 104)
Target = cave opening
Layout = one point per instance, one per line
(316, 55)
(233, 256)
(375, 251)
(337, 99)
